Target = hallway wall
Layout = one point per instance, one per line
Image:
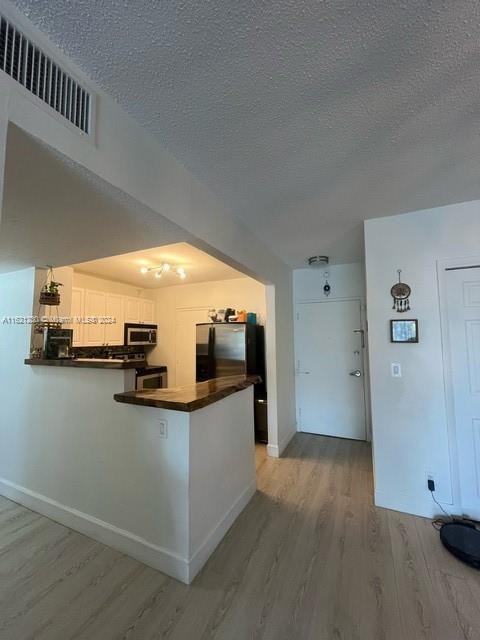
(411, 435)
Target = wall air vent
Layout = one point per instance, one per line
(29, 66)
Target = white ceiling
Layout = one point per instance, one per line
(50, 215)
(199, 266)
(50, 208)
(306, 117)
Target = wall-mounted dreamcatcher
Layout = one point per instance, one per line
(400, 294)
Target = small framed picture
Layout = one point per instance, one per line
(403, 330)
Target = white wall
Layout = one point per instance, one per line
(128, 158)
(87, 281)
(410, 433)
(68, 450)
(239, 293)
(347, 281)
(55, 423)
(222, 471)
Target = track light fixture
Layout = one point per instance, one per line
(165, 267)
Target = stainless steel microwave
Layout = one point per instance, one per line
(140, 334)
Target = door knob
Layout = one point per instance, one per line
(356, 373)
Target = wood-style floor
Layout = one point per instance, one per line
(309, 558)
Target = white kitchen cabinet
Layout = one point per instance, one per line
(114, 307)
(132, 309)
(77, 313)
(95, 306)
(147, 311)
(87, 302)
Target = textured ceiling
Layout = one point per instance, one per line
(305, 117)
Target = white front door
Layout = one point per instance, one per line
(463, 313)
(330, 383)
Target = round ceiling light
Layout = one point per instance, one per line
(318, 261)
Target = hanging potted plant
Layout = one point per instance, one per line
(50, 295)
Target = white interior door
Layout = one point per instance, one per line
(330, 382)
(463, 312)
(185, 343)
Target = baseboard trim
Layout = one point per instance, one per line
(417, 507)
(275, 451)
(205, 550)
(124, 541)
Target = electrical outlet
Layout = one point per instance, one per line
(430, 482)
(162, 428)
(396, 369)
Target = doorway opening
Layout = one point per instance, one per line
(56, 212)
(181, 293)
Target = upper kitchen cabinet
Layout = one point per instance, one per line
(77, 313)
(97, 305)
(93, 303)
(114, 305)
(94, 332)
(147, 311)
(132, 310)
(139, 310)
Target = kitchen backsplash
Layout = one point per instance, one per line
(101, 352)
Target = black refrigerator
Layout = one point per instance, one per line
(235, 348)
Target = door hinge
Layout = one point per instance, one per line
(298, 316)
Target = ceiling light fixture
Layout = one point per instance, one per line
(318, 261)
(165, 267)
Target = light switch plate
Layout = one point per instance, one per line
(162, 428)
(396, 369)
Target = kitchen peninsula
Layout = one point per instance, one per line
(189, 397)
(160, 475)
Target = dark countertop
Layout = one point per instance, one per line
(90, 364)
(190, 397)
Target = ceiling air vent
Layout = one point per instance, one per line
(29, 66)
